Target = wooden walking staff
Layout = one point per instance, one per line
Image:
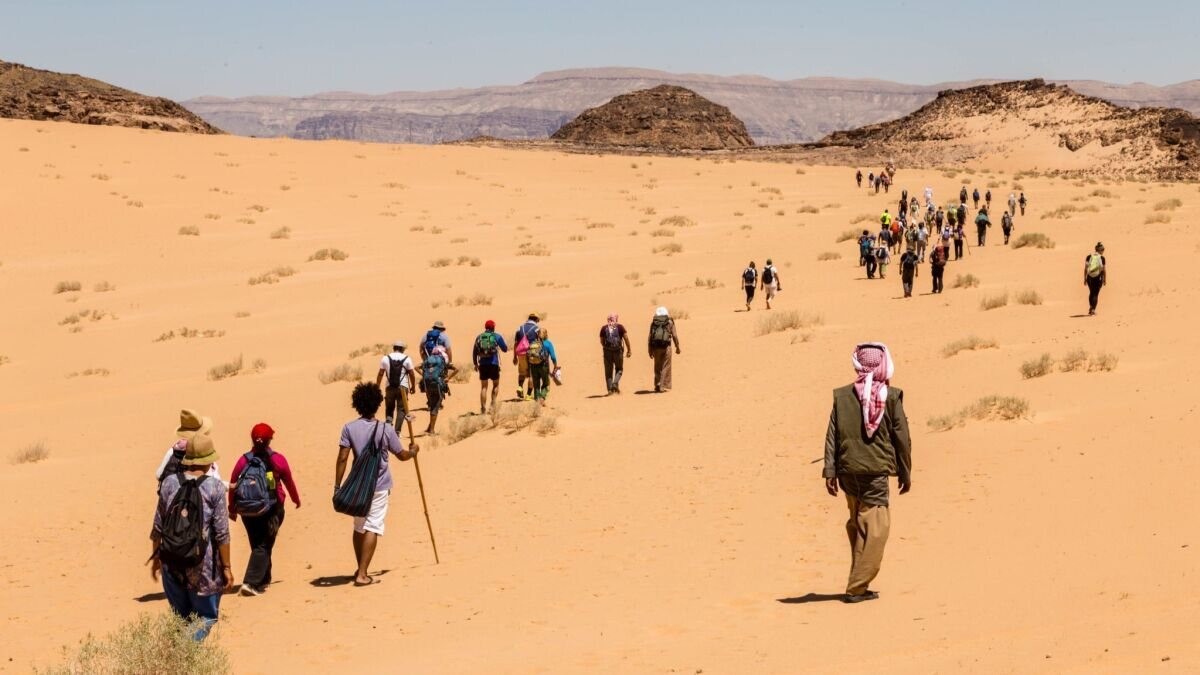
(421, 486)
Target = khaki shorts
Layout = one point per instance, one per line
(373, 522)
(523, 365)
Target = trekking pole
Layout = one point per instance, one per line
(425, 505)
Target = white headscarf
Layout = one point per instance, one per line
(661, 311)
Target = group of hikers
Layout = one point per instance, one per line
(769, 282)
(882, 179)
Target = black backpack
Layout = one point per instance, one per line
(183, 537)
(768, 275)
(749, 276)
(395, 371)
(173, 465)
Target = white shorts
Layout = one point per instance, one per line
(374, 520)
(772, 289)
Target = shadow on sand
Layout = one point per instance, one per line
(812, 597)
(341, 579)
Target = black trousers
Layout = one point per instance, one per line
(614, 366)
(261, 531)
(937, 278)
(1094, 286)
(958, 247)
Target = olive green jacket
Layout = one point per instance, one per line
(849, 451)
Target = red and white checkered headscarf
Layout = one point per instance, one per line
(873, 364)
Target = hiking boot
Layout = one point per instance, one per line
(855, 599)
(520, 394)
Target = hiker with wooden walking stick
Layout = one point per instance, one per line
(413, 448)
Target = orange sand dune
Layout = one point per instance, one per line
(651, 533)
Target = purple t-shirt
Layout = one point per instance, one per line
(357, 434)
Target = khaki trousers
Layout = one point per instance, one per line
(662, 367)
(868, 529)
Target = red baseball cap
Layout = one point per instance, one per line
(262, 432)
(490, 324)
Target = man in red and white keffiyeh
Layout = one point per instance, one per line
(873, 363)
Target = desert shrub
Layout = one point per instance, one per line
(1033, 240)
(534, 249)
(994, 301)
(971, 343)
(1168, 204)
(1101, 193)
(377, 348)
(90, 372)
(680, 314)
(600, 226)
(1037, 367)
(1161, 218)
(509, 416)
(4, 359)
(1103, 362)
(284, 232)
(346, 372)
(861, 218)
(461, 376)
(547, 425)
(67, 287)
(668, 249)
(1029, 297)
(788, 320)
(576, 237)
(246, 221)
(808, 208)
(212, 216)
(1074, 360)
(1063, 212)
(828, 255)
(189, 231)
(440, 262)
(328, 254)
(479, 299)
(160, 643)
(257, 207)
(677, 221)
(708, 283)
(661, 232)
(988, 407)
(272, 276)
(848, 235)
(30, 454)
(633, 276)
(965, 281)
(227, 369)
(469, 260)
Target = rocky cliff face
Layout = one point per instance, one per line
(774, 111)
(663, 118)
(32, 94)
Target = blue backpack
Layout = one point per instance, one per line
(253, 495)
(432, 340)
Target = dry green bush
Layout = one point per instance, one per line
(988, 407)
(708, 283)
(1102, 362)
(1168, 204)
(189, 231)
(791, 319)
(1037, 367)
(1033, 240)
(994, 301)
(509, 416)
(1029, 297)
(677, 221)
(328, 254)
(440, 262)
(1074, 360)
(828, 255)
(30, 454)
(533, 249)
(971, 343)
(669, 249)
(159, 643)
(346, 372)
(965, 281)
(1157, 218)
(284, 232)
(227, 369)
(377, 348)
(67, 287)
(272, 276)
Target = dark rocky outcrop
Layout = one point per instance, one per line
(665, 117)
(32, 94)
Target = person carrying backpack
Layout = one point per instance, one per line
(749, 283)
(543, 361)
(1006, 225)
(982, 223)
(613, 337)
(922, 237)
(908, 270)
(937, 267)
(191, 424)
(770, 282)
(962, 214)
(1095, 276)
(962, 195)
(1012, 203)
(987, 198)
(1022, 201)
(869, 254)
(883, 256)
(361, 436)
(193, 552)
(525, 334)
(436, 337)
(858, 177)
(975, 197)
(400, 372)
(485, 358)
(864, 248)
(662, 336)
(436, 371)
(257, 495)
(960, 235)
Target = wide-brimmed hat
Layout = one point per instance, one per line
(439, 325)
(192, 423)
(400, 344)
(199, 452)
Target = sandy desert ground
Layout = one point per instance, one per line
(650, 533)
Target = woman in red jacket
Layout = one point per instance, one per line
(263, 528)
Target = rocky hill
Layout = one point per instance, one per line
(1063, 129)
(32, 94)
(663, 118)
(774, 111)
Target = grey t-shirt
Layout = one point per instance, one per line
(356, 435)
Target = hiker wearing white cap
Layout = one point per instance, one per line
(191, 424)
(662, 336)
(400, 372)
(867, 440)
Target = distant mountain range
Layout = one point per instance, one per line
(774, 111)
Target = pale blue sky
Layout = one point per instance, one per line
(294, 47)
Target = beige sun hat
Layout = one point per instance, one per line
(199, 452)
(192, 423)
